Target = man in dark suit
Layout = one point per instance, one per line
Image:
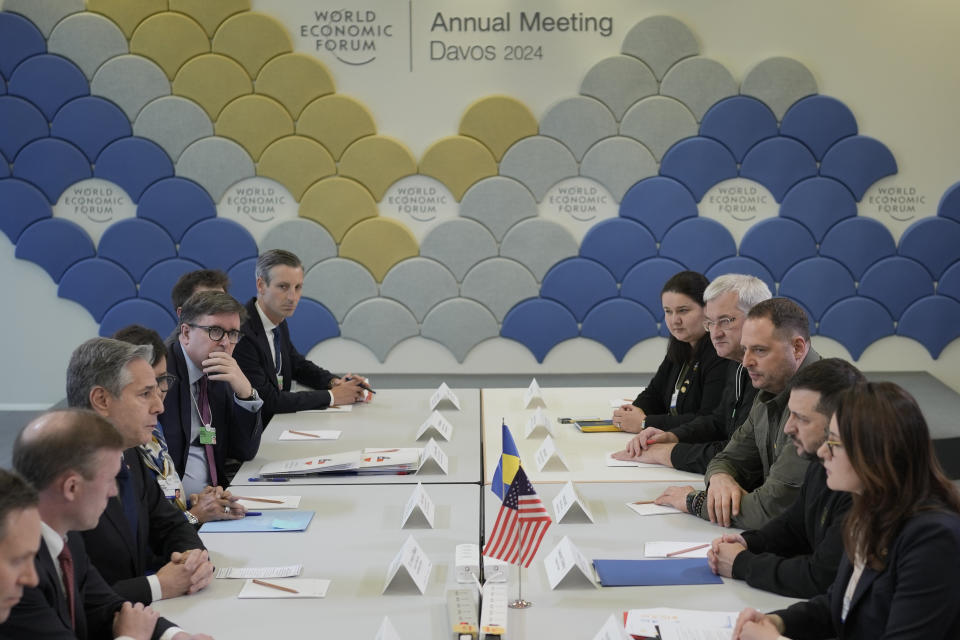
(268, 357)
(19, 539)
(72, 457)
(212, 413)
(140, 531)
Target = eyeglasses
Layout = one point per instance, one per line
(216, 333)
(166, 381)
(831, 444)
(723, 323)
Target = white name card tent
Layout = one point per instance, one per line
(549, 456)
(533, 396)
(433, 456)
(386, 631)
(539, 421)
(570, 503)
(436, 422)
(562, 561)
(410, 565)
(444, 393)
(420, 509)
(612, 630)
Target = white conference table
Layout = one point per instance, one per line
(391, 420)
(351, 541)
(584, 453)
(576, 609)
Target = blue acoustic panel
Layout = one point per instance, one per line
(818, 204)
(24, 204)
(539, 325)
(243, 279)
(739, 123)
(134, 164)
(778, 164)
(778, 244)
(578, 284)
(698, 243)
(176, 204)
(858, 243)
(933, 242)
(618, 244)
(136, 245)
(858, 162)
(896, 283)
(4, 167)
(54, 244)
(817, 283)
(644, 282)
(91, 123)
(20, 41)
(52, 165)
(22, 123)
(856, 323)
(217, 244)
(137, 311)
(3, 85)
(934, 322)
(618, 325)
(949, 206)
(818, 122)
(949, 283)
(49, 82)
(96, 284)
(658, 203)
(158, 281)
(311, 325)
(699, 163)
(746, 266)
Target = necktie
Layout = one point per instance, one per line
(278, 355)
(66, 567)
(127, 499)
(203, 406)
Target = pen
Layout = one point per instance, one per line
(253, 513)
(274, 586)
(683, 551)
(268, 479)
(363, 385)
(303, 433)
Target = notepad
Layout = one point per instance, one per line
(651, 509)
(283, 521)
(245, 573)
(645, 573)
(305, 588)
(596, 426)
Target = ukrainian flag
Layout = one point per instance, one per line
(508, 465)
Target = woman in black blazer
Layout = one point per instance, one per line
(900, 577)
(690, 379)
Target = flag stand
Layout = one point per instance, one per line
(520, 603)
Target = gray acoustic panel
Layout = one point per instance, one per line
(498, 284)
(498, 203)
(460, 325)
(380, 325)
(339, 285)
(658, 122)
(130, 81)
(45, 14)
(660, 41)
(779, 82)
(578, 123)
(459, 244)
(538, 244)
(215, 164)
(618, 82)
(698, 83)
(539, 163)
(618, 163)
(419, 284)
(89, 40)
(305, 238)
(173, 123)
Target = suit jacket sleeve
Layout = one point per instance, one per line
(169, 531)
(703, 394)
(695, 456)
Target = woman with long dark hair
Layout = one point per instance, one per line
(900, 577)
(689, 381)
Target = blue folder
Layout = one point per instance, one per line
(272, 520)
(645, 573)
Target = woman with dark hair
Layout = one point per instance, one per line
(690, 379)
(900, 577)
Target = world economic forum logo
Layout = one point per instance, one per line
(352, 36)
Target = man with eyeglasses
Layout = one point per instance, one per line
(197, 508)
(691, 446)
(212, 412)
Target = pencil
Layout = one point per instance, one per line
(258, 499)
(683, 551)
(303, 433)
(274, 586)
(645, 502)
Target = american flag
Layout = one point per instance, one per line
(520, 526)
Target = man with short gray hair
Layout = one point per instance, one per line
(268, 357)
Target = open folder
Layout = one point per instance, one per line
(646, 573)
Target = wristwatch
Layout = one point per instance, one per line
(192, 519)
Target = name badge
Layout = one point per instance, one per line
(208, 435)
(168, 487)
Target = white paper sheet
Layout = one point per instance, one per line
(329, 434)
(651, 509)
(305, 588)
(259, 572)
